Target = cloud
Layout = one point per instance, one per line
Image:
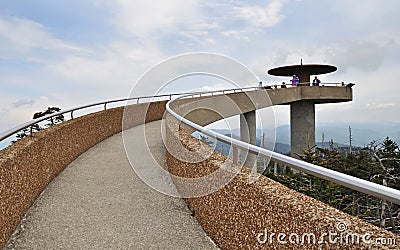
(154, 19)
(23, 102)
(22, 35)
(110, 72)
(376, 21)
(136, 35)
(380, 106)
(366, 56)
(262, 17)
(238, 34)
(19, 110)
(362, 55)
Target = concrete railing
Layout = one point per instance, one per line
(252, 216)
(241, 215)
(29, 165)
(351, 182)
(231, 216)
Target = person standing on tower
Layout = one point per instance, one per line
(316, 81)
(295, 80)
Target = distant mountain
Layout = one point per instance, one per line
(362, 133)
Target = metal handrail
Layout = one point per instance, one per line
(22, 126)
(289, 85)
(349, 181)
(337, 84)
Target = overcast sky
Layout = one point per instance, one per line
(69, 53)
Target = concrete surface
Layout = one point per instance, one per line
(29, 165)
(98, 202)
(248, 133)
(241, 215)
(302, 126)
(302, 100)
(206, 110)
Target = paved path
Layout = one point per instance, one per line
(99, 202)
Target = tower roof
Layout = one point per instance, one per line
(312, 69)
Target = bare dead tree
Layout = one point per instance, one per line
(387, 175)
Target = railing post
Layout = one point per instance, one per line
(137, 101)
(31, 130)
(105, 106)
(235, 155)
(72, 114)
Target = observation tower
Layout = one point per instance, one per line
(302, 108)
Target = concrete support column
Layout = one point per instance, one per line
(302, 126)
(248, 134)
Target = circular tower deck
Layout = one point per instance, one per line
(303, 71)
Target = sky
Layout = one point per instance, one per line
(68, 53)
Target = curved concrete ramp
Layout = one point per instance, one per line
(98, 202)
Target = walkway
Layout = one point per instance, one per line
(98, 202)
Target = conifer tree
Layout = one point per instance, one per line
(36, 127)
